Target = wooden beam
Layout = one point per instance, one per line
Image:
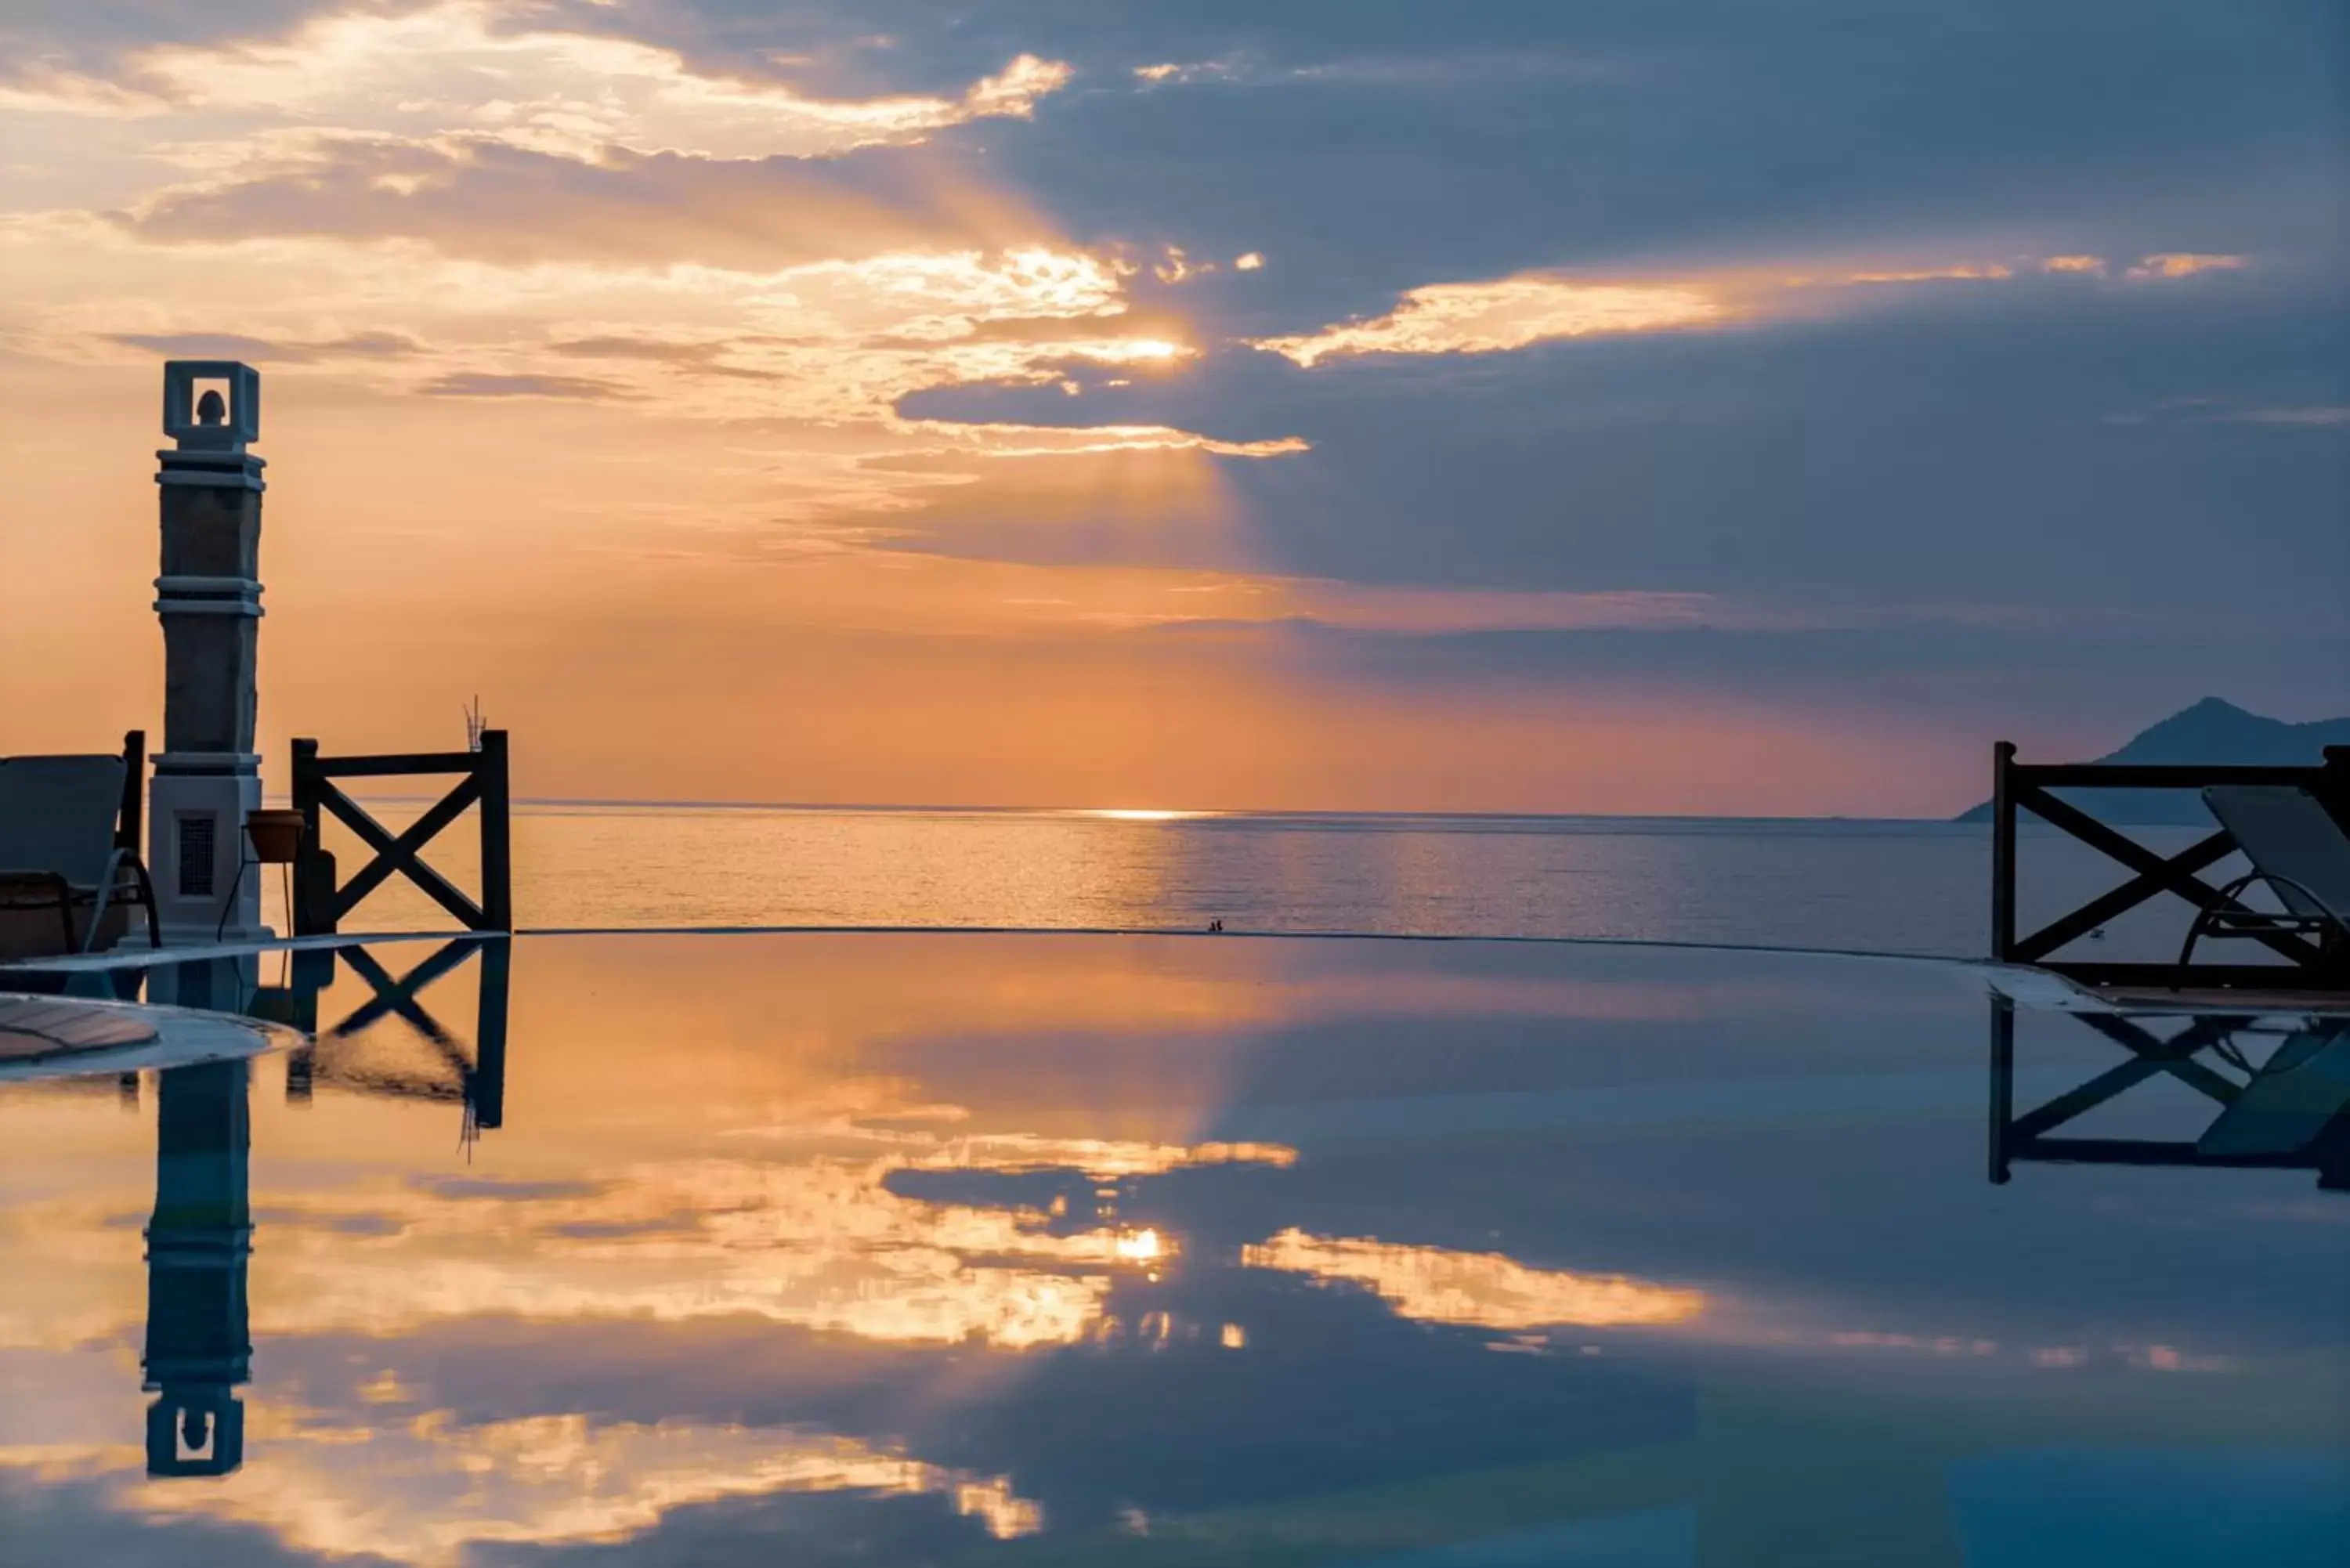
(2149, 865)
(2102, 909)
(405, 860)
(409, 845)
(2140, 776)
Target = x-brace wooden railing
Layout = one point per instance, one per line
(2018, 787)
(320, 904)
(2033, 1136)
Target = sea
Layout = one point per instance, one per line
(1868, 886)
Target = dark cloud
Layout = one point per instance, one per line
(505, 205)
(1970, 447)
(2093, 676)
(264, 351)
(1369, 147)
(213, 346)
(697, 358)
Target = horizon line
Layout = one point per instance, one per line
(1170, 814)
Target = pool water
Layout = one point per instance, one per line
(1074, 1248)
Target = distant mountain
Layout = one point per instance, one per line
(2210, 732)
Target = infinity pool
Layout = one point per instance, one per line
(911, 1248)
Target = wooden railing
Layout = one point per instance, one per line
(2019, 787)
(321, 902)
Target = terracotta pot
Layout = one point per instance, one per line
(276, 835)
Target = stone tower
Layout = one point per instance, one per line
(208, 776)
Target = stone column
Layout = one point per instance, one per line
(208, 776)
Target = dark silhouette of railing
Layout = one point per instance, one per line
(2019, 787)
(2033, 1136)
(475, 1080)
(321, 902)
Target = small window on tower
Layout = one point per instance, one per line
(196, 854)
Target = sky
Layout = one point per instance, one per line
(1614, 406)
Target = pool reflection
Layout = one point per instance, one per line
(2271, 1092)
(881, 1249)
(197, 1350)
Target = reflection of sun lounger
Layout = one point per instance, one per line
(2298, 850)
(2290, 1102)
(59, 843)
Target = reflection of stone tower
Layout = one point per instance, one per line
(198, 1344)
(207, 777)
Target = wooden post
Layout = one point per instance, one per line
(314, 868)
(130, 833)
(2334, 785)
(2002, 853)
(497, 844)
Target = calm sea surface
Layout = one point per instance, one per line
(1895, 886)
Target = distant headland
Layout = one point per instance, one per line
(2212, 730)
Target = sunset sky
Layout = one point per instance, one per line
(1319, 403)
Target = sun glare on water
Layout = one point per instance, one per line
(1120, 813)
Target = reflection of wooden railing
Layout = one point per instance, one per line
(2034, 1135)
(319, 903)
(2019, 787)
(477, 1080)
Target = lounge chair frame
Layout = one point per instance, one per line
(36, 890)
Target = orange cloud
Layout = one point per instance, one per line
(2183, 263)
(1505, 314)
(1971, 272)
(459, 68)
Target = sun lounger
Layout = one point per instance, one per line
(59, 845)
(2297, 850)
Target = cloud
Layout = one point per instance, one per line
(1507, 313)
(1485, 1290)
(263, 351)
(434, 1487)
(503, 204)
(2184, 264)
(1990, 272)
(459, 68)
(486, 384)
(2312, 416)
(2094, 265)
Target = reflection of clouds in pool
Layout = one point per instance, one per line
(427, 1489)
(820, 1244)
(1483, 1290)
